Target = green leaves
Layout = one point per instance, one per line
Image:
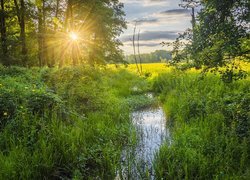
(219, 37)
(43, 41)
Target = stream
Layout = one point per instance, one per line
(150, 124)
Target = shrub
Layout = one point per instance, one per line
(62, 123)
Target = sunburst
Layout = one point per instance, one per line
(73, 36)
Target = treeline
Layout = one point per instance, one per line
(38, 31)
(153, 57)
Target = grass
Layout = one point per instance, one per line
(73, 123)
(149, 70)
(66, 123)
(209, 127)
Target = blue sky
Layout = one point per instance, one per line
(157, 20)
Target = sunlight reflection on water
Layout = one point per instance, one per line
(150, 124)
(151, 128)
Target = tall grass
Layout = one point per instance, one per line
(69, 123)
(210, 124)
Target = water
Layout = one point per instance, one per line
(150, 124)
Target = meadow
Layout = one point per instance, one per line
(65, 123)
(67, 94)
(209, 122)
(74, 122)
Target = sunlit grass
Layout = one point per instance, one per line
(151, 70)
(154, 69)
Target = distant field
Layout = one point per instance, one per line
(157, 68)
(153, 68)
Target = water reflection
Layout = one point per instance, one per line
(151, 130)
(151, 127)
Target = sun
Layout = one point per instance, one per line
(73, 36)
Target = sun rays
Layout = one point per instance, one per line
(73, 36)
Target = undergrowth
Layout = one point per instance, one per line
(68, 123)
(210, 124)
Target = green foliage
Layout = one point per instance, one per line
(219, 33)
(209, 127)
(140, 101)
(36, 33)
(21, 90)
(64, 123)
(219, 36)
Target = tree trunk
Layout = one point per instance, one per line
(133, 41)
(22, 33)
(65, 27)
(3, 34)
(139, 53)
(193, 18)
(72, 29)
(42, 41)
(56, 15)
(67, 16)
(53, 56)
(45, 45)
(193, 24)
(69, 26)
(40, 38)
(21, 19)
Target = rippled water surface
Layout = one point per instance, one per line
(151, 130)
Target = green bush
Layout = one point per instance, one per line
(63, 123)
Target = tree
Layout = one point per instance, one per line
(191, 4)
(220, 32)
(217, 38)
(105, 19)
(39, 31)
(20, 13)
(3, 34)
(153, 57)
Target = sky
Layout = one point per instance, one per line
(157, 20)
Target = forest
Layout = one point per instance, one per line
(158, 56)
(41, 33)
(73, 106)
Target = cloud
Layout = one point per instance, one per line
(144, 43)
(149, 44)
(148, 2)
(145, 21)
(172, 16)
(175, 12)
(158, 20)
(146, 46)
(152, 35)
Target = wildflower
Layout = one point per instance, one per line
(5, 114)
